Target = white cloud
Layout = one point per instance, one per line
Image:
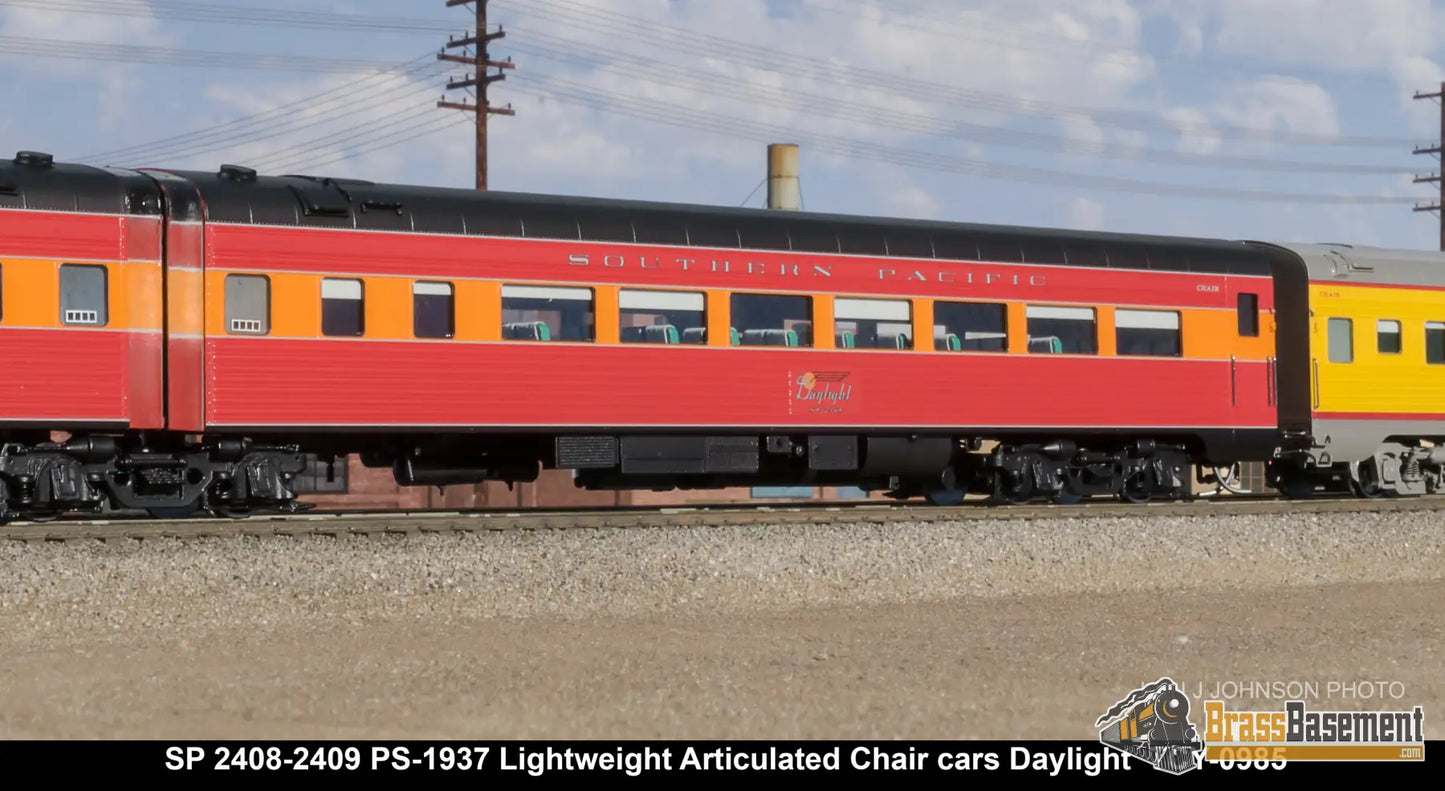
(911, 202)
(1359, 35)
(1280, 103)
(1394, 40)
(971, 63)
(1196, 136)
(32, 22)
(114, 85)
(1090, 56)
(312, 134)
(1085, 214)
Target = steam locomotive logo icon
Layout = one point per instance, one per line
(1152, 724)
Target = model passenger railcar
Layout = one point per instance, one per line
(194, 334)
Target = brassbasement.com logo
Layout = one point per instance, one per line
(1299, 734)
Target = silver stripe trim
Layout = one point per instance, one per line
(702, 347)
(82, 328)
(731, 426)
(107, 420)
(19, 210)
(77, 260)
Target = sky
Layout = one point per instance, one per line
(1282, 120)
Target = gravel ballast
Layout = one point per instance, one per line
(981, 629)
(621, 571)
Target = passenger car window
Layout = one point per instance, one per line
(662, 316)
(84, 295)
(1341, 341)
(248, 304)
(970, 327)
(342, 307)
(1059, 330)
(547, 313)
(772, 320)
(1435, 342)
(433, 310)
(872, 323)
(1248, 308)
(1388, 336)
(1153, 333)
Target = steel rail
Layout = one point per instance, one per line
(416, 522)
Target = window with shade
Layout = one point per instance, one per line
(547, 313)
(666, 317)
(1062, 330)
(1147, 333)
(873, 323)
(342, 307)
(433, 309)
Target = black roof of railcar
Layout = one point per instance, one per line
(238, 195)
(33, 180)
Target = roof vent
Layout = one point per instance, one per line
(237, 173)
(34, 159)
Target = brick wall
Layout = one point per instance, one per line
(368, 488)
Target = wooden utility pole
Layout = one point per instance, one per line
(1435, 149)
(479, 79)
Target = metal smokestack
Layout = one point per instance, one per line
(783, 188)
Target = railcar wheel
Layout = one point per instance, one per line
(1296, 486)
(1139, 487)
(176, 512)
(232, 511)
(945, 496)
(1365, 480)
(1020, 494)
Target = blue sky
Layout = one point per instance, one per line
(1096, 114)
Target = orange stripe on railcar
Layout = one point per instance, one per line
(141, 290)
(185, 317)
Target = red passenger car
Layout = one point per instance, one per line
(460, 336)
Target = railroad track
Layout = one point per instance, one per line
(371, 523)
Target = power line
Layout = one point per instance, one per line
(637, 28)
(242, 15)
(299, 152)
(731, 125)
(1439, 206)
(432, 127)
(754, 192)
(843, 146)
(550, 13)
(921, 20)
(278, 120)
(207, 59)
(565, 50)
(947, 24)
(420, 124)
